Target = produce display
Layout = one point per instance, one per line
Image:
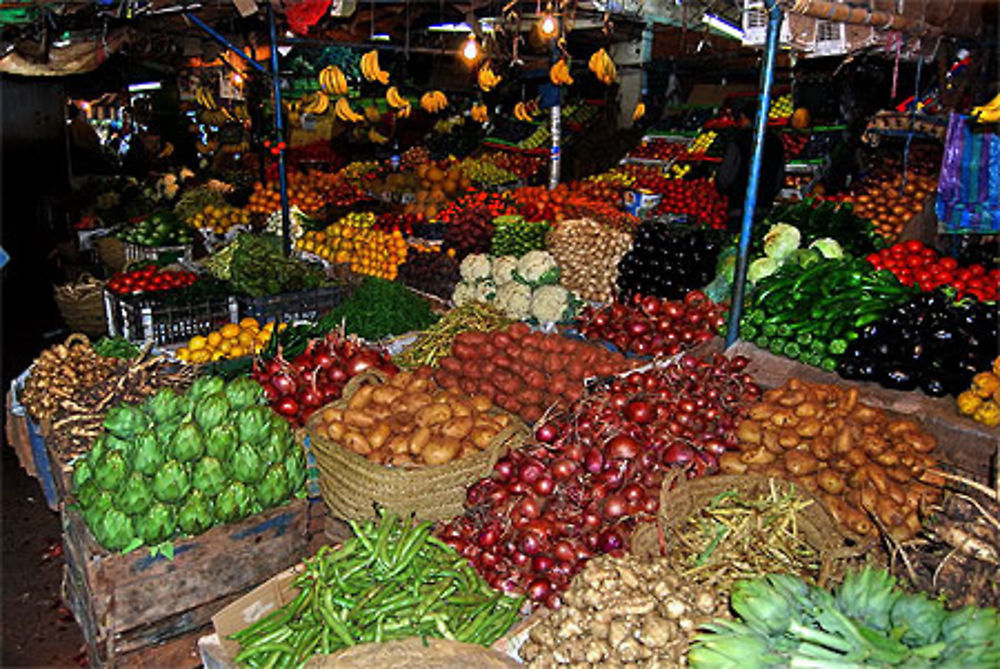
(596, 472)
(513, 236)
(354, 240)
(981, 400)
(410, 422)
(651, 326)
(588, 255)
(865, 620)
(181, 463)
(524, 372)
(658, 148)
(429, 270)
(485, 172)
(149, 279)
(160, 229)
(883, 199)
(391, 580)
(928, 342)
(573, 200)
(811, 314)
(624, 611)
(470, 223)
(858, 459)
(316, 376)
(233, 340)
(436, 341)
(667, 261)
(380, 308)
(521, 289)
(817, 220)
(914, 263)
(59, 371)
(219, 219)
(258, 268)
(695, 198)
(116, 347)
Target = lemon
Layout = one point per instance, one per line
(184, 354)
(197, 343)
(249, 322)
(200, 356)
(231, 330)
(214, 339)
(237, 352)
(245, 339)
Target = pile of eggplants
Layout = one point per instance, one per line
(668, 260)
(931, 342)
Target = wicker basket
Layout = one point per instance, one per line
(680, 502)
(414, 654)
(111, 251)
(352, 485)
(82, 306)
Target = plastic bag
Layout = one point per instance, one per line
(969, 185)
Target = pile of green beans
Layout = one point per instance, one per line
(392, 580)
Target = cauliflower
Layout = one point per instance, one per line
(549, 304)
(484, 291)
(475, 267)
(538, 267)
(503, 269)
(514, 299)
(464, 293)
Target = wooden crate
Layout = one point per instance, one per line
(124, 603)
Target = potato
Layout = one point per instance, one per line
(887, 459)
(386, 395)
(336, 431)
(358, 418)
(792, 398)
(331, 415)
(401, 380)
(762, 411)
(419, 385)
(482, 436)
(433, 414)
(357, 442)
(361, 398)
(399, 443)
(901, 426)
(787, 438)
(865, 414)
(848, 400)
(481, 403)
(898, 474)
(878, 477)
(441, 450)
(771, 441)
(760, 456)
(843, 442)
(379, 457)
(922, 442)
(842, 465)
(749, 431)
(402, 421)
(857, 457)
(772, 395)
(874, 444)
(821, 448)
(461, 409)
(502, 420)
(830, 481)
(457, 427)
(730, 463)
(808, 409)
(809, 427)
(400, 460)
(418, 440)
(783, 417)
(800, 462)
(379, 434)
(888, 512)
(808, 482)
(414, 402)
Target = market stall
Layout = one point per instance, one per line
(354, 372)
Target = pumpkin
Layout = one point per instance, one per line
(801, 119)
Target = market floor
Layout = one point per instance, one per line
(38, 631)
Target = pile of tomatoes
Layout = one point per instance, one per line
(149, 279)
(915, 263)
(696, 198)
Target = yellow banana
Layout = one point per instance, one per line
(519, 112)
(318, 105)
(377, 137)
(987, 113)
(345, 113)
(608, 70)
(333, 81)
(372, 114)
(639, 112)
(479, 114)
(559, 73)
(404, 112)
(487, 79)
(441, 100)
(989, 116)
(368, 68)
(383, 77)
(395, 100)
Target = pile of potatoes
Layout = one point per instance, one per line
(410, 421)
(868, 468)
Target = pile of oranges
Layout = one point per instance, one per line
(353, 240)
(309, 191)
(219, 219)
(263, 200)
(233, 340)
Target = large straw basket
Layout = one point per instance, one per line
(82, 306)
(352, 485)
(111, 251)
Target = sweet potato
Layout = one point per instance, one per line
(800, 462)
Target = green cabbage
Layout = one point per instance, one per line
(157, 524)
(273, 488)
(253, 424)
(243, 392)
(246, 464)
(171, 482)
(147, 454)
(221, 441)
(114, 530)
(187, 445)
(205, 385)
(762, 267)
(134, 496)
(195, 515)
(165, 405)
(211, 410)
(233, 503)
(209, 476)
(111, 470)
(780, 240)
(829, 248)
(125, 421)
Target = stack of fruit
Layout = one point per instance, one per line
(149, 279)
(485, 173)
(219, 219)
(355, 241)
(782, 108)
(159, 229)
(233, 340)
(658, 148)
(702, 143)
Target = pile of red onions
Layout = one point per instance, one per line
(590, 477)
(653, 326)
(317, 375)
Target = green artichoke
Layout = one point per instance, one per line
(134, 496)
(171, 483)
(243, 392)
(110, 471)
(164, 406)
(273, 488)
(114, 530)
(157, 524)
(253, 424)
(125, 421)
(205, 385)
(187, 445)
(98, 505)
(295, 466)
(209, 476)
(233, 503)
(195, 515)
(147, 454)
(246, 465)
(211, 410)
(86, 493)
(165, 432)
(279, 442)
(220, 442)
(82, 473)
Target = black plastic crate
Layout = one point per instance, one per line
(140, 319)
(291, 307)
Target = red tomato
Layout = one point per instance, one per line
(914, 261)
(913, 246)
(948, 263)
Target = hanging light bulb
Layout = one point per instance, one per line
(548, 25)
(470, 50)
(237, 78)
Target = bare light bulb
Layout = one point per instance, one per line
(470, 50)
(237, 79)
(548, 25)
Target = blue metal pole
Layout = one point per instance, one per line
(279, 130)
(221, 39)
(750, 203)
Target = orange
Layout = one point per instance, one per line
(230, 330)
(197, 343)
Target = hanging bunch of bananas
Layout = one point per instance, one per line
(525, 111)
(487, 79)
(344, 112)
(559, 73)
(204, 97)
(433, 102)
(398, 102)
(372, 114)
(371, 70)
(315, 104)
(332, 80)
(639, 111)
(479, 114)
(989, 112)
(241, 112)
(376, 137)
(603, 67)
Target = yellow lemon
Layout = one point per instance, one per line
(237, 352)
(282, 327)
(200, 356)
(249, 322)
(231, 330)
(184, 354)
(245, 339)
(197, 343)
(268, 326)
(217, 355)
(226, 346)
(214, 339)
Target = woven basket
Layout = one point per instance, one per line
(352, 485)
(680, 502)
(111, 251)
(82, 306)
(414, 654)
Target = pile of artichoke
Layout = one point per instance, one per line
(179, 464)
